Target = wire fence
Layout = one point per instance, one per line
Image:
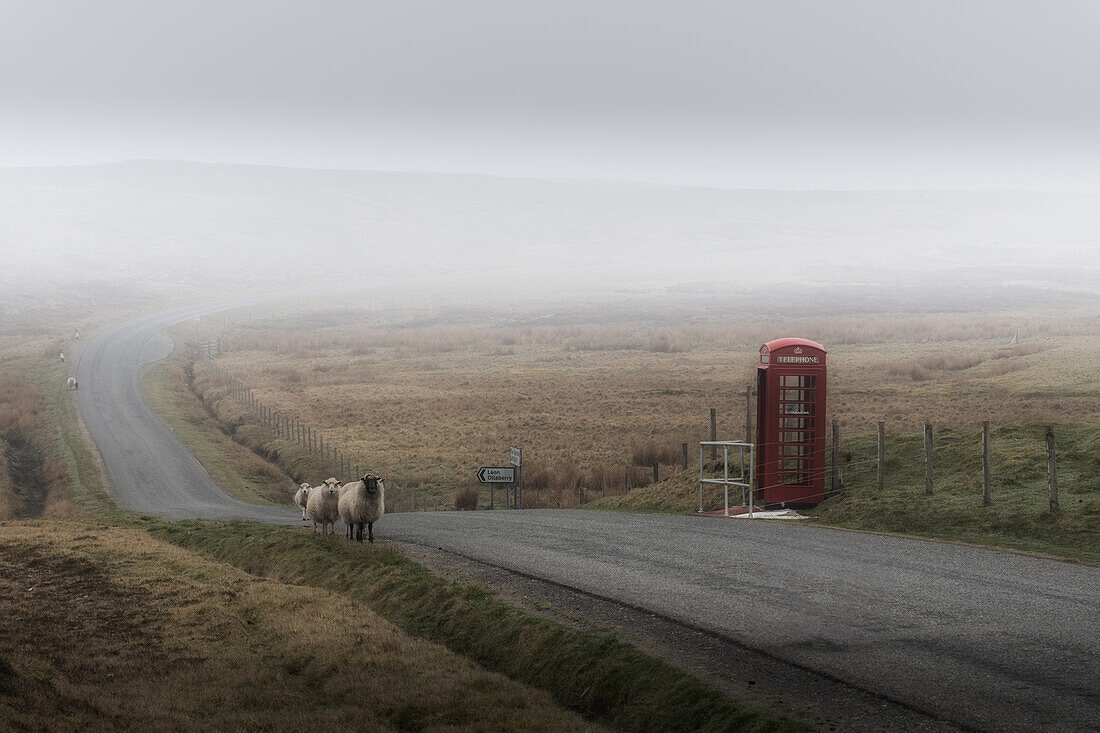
(892, 462)
(333, 457)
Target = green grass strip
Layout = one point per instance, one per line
(594, 674)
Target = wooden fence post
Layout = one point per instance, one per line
(713, 433)
(656, 472)
(881, 455)
(834, 481)
(928, 459)
(986, 499)
(628, 483)
(1052, 470)
(685, 451)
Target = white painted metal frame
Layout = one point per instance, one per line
(745, 481)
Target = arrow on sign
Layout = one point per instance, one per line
(496, 475)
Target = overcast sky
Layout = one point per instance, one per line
(876, 94)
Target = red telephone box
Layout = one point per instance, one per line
(790, 422)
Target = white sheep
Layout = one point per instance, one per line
(72, 382)
(323, 506)
(362, 502)
(301, 497)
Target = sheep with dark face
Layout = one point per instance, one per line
(362, 502)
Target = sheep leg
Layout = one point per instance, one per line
(370, 531)
(359, 532)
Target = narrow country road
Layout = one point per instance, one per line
(981, 639)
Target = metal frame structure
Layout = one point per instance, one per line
(742, 480)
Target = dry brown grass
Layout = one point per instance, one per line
(952, 363)
(255, 467)
(650, 453)
(1006, 367)
(467, 499)
(287, 376)
(34, 484)
(1017, 350)
(162, 639)
(20, 408)
(435, 394)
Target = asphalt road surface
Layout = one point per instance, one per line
(983, 639)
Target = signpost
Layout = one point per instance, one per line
(516, 454)
(494, 475)
(513, 475)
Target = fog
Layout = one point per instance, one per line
(854, 150)
(208, 228)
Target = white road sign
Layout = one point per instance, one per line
(496, 475)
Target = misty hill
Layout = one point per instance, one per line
(251, 227)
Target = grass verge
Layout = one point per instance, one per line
(1017, 518)
(163, 639)
(242, 473)
(593, 674)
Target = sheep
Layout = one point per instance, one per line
(362, 502)
(301, 497)
(72, 382)
(323, 506)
